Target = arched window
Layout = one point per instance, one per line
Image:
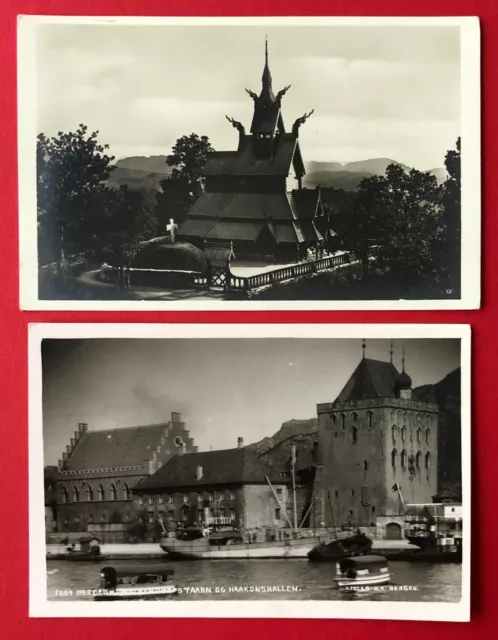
(355, 416)
(428, 418)
(370, 419)
(393, 432)
(343, 421)
(354, 435)
(365, 465)
(394, 457)
(403, 434)
(418, 459)
(101, 492)
(76, 494)
(427, 436)
(64, 495)
(114, 493)
(403, 459)
(334, 418)
(126, 492)
(419, 435)
(428, 460)
(393, 415)
(89, 493)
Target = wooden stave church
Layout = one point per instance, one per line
(249, 199)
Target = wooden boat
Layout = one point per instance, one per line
(135, 582)
(362, 571)
(355, 545)
(231, 544)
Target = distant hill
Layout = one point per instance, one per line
(348, 176)
(138, 172)
(141, 172)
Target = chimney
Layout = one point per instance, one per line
(176, 417)
(240, 443)
(199, 472)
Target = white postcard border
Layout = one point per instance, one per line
(39, 606)
(471, 169)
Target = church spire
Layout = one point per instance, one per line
(267, 91)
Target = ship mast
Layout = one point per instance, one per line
(293, 461)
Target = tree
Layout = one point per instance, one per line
(126, 220)
(72, 173)
(452, 215)
(402, 214)
(179, 192)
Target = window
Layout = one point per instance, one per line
(171, 500)
(403, 459)
(336, 494)
(427, 436)
(151, 516)
(199, 498)
(393, 432)
(369, 419)
(277, 513)
(418, 458)
(160, 499)
(352, 493)
(140, 500)
(403, 434)
(343, 421)
(89, 493)
(233, 515)
(232, 496)
(351, 512)
(334, 418)
(365, 465)
(200, 515)
(151, 500)
(76, 494)
(394, 457)
(103, 517)
(185, 499)
(114, 493)
(222, 497)
(428, 419)
(354, 435)
(419, 434)
(64, 495)
(355, 416)
(427, 460)
(101, 493)
(126, 492)
(279, 491)
(373, 509)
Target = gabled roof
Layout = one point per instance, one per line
(371, 379)
(244, 163)
(112, 448)
(228, 466)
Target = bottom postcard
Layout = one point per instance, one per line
(250, 471)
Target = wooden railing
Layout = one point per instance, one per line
(288, 273)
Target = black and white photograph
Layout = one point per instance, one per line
(249, 163)
(234, 470)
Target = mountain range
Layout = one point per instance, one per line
(140, 172)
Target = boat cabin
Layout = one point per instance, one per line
(362, 571)
(111, 578)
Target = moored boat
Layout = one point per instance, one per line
(135, 582)
(362, 571)
(355, 545)
(437, 530)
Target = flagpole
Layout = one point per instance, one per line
(293, 453)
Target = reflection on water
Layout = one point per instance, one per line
(270, 579)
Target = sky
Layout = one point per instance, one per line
(377, 91)
(224, 388)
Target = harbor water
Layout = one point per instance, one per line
(268, 579)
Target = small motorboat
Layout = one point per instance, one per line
(135, 582)
(362, 571)
(89, 551)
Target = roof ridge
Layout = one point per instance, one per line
(142, 426)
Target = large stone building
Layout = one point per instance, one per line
(230, 486)
(253, 196)
(99, 468)
(373, 439)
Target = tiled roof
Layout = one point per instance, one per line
(228, 466)
(243, 162)
(371, 379)
(111, 448)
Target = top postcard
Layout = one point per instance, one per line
(249, 163)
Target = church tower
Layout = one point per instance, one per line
(374, 438)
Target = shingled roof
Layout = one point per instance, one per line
(244, 163)
(371, 379)
(227, 466)
(113, 448)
